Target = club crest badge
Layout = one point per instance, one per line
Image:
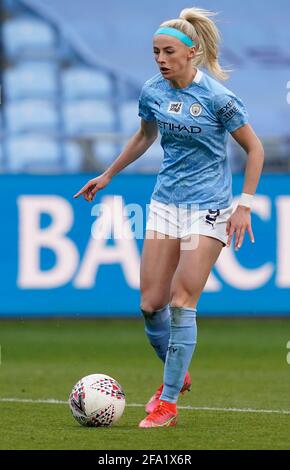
(195, 109)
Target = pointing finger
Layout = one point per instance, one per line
(251, 234)
(81, 191)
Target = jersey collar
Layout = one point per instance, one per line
(198, 76)
(197, 79)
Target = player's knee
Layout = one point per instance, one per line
(149, 306)
(181, 297)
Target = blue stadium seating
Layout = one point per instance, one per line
(32, 152)
(30, 80)
(149, 162)
(27, 36)
(55, 83)
(87, 116)
(40, 153)
(130, 121)
(73, 157)
(256, 59)
(83, 82)
(104, 153)
(31, 116)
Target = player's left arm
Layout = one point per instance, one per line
(240, 220)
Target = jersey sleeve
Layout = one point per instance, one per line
(230, 111)
(145, 111)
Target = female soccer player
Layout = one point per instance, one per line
(191, 215)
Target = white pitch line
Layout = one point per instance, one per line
(228, 410)
(30, 400)
(52, 401)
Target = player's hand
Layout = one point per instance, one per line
(239, 223)
(90, 189)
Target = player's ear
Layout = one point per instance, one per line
(191, 52)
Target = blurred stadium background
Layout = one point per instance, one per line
(85, 105)
(71, 74)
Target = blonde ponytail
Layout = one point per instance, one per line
(198, 25)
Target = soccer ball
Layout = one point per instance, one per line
(97, 400)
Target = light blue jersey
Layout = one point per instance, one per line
(194, 123)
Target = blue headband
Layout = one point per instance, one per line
(176, 34)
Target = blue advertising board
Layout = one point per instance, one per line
(57, 258)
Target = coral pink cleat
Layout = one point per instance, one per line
(154, 400)
(164, 415)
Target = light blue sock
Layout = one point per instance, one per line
(183, 335)
(157, 328)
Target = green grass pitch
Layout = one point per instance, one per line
(238, 363)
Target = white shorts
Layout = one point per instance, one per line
(181, 221)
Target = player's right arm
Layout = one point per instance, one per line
(136, 146)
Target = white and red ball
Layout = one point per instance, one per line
(97, 400)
